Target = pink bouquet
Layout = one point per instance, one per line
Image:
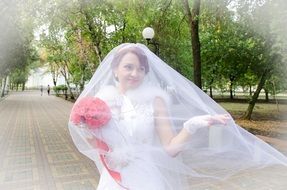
(91, 111)
(95, 113)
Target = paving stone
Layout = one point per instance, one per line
(57, 148)
(20, 161)
(69, 170)
(62, 157)
(82, 184)
(26, 174)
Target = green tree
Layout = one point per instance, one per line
(193, 21)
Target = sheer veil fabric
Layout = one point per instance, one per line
(131, 155)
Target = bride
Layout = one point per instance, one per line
(147, 127)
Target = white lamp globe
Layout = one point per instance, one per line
(148, 33)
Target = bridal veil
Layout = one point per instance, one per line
(215, 152)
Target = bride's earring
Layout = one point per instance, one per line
(116, 77)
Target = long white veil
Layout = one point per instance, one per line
(213, 152)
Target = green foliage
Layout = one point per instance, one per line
(236, 47)
(78, 34)
(17, 51)
(59, 88)
(19, 76)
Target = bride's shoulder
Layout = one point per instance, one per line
(162, 94)
(148, 93)
(107, 92)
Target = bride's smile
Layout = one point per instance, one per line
(130, 72)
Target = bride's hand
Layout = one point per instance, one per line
(193, 124)
(218, 119)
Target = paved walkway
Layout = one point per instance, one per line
(37, 153)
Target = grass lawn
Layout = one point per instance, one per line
(268, 119)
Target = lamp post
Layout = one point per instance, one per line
(148, 34)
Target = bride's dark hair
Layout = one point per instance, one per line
(134, 50)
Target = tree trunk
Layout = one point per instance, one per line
(250, 90)
(70, 90)
(23, 86)
(210, 91)
(68, 84)
(95, 35)
(255, 96)
(274, 95)
(84, 61)
(231, 91)
(266, 95)
(193, 17)
(98, 52)
(4, 80)
(54, 76)
(82, 83)
(231, 78)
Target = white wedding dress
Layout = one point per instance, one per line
(130, 137)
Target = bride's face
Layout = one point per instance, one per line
(130, 72)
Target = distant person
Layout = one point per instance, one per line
(41, 89)
(48, 89)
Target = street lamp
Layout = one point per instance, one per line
(148, 34)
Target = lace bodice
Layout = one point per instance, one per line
(132, 116)
(131, 124)
(136, 122)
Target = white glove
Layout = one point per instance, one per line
(197, 122)
(193, 124)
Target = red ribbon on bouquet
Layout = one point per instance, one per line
(104, 147)
(95, 113)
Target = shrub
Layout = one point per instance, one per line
(59, 88)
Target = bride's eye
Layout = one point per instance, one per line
(142, 69)
(128, 67)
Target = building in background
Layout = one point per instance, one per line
(40, 76)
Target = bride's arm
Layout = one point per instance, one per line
(174, 143)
